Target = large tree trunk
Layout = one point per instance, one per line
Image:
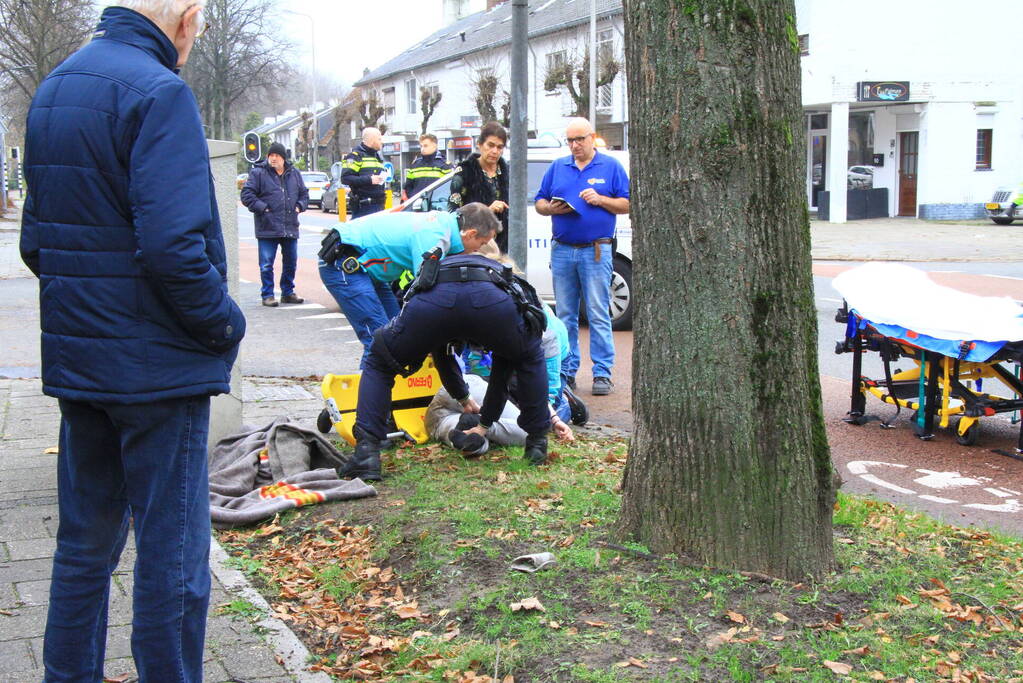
(729, 462)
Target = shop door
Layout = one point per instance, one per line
(908, 154)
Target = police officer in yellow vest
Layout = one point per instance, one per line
(363, 172)
(427, 168)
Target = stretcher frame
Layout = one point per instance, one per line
(950, 388)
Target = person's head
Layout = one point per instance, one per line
(491, 142)
(581, 139)
(477, 226)
(372, 138)
(181, 20)
(427, 144)
(275, 156)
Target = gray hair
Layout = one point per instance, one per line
(163, 12)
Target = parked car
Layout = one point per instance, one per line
(315, 182)
(329, 200)
(538, 232)
(1006, 205)
(861, 177)
(240, 180)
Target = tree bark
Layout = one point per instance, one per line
(729, 462)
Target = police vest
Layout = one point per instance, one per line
(363, 162)
(424, 171)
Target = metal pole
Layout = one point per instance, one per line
(593, 63)
(517, 236)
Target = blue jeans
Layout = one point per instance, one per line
(289, 260)
(367, 303)
(145, 463)
(577, 276)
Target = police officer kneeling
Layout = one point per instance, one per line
(466, 297)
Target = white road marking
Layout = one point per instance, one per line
(828, 298)
(322, 316)
(343, 328)
(244, 281)
(305, 307)
(939, 480)
(354, 341)
(1005, 277)
(946, 480)
(881, 482)
(939, 499)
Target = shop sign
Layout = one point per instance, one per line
(460, 143)
(882, 91)
(472, 121)
(391, 148)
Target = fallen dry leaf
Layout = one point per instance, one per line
(840, 668)
(53, 450)
(553, 624)
(780, 618)
(597, 624)
(736, 617)
(719, 639)
(528, 604)
(857, 651)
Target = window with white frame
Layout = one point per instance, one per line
(412, 95)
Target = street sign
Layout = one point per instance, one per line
(389, 167)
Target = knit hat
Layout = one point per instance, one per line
(277, 148)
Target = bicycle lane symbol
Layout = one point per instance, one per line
(939, 481)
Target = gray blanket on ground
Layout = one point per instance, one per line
(262, 471)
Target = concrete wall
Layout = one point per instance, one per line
(226, 409)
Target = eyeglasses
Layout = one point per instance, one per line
(200, 21)
(578, 140)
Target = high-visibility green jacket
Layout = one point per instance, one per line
(423, 171)
(357, 170)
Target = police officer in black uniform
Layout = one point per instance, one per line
(470, 299)
(362, 170)
(428, 166)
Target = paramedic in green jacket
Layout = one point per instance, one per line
(372, 252)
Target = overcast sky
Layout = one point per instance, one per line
(345, 28)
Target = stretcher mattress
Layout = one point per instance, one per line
(904, 303)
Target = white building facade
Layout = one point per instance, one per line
(452, 60)
(913, 108)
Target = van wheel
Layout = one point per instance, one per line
(621, 295)
(1002, 220)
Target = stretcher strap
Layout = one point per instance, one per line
(921, 398)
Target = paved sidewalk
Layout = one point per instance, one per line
(911, 239)
(236, 649)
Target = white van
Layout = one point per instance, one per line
(538, 228)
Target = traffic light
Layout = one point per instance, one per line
(253, 153)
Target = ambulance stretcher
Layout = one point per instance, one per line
(957, 376)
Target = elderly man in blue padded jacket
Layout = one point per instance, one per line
(138, 331)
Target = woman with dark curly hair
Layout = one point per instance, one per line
(483, 177)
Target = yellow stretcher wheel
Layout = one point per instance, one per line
(970, 437)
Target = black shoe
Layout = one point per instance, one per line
(569, 381)
(536, 449)
(292, 299)
(365, 462)
(602, 386)
(323, 423)
(467, 421)
(471, 445)
(270, 301)
(580, 414)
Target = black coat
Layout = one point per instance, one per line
(273, 200)
(471, 184)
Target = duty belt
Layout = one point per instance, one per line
(466, 274)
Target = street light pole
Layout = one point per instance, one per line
(593, 63)
(312, 50)
(517, 237)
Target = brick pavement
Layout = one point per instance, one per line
(236, 649)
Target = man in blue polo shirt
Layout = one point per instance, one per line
(583, 193)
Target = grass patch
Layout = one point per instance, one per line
(414, 585)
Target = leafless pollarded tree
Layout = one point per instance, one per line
(429, 99)
(36, 36)
(485, 81)
(239, 60)
(570, 68)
